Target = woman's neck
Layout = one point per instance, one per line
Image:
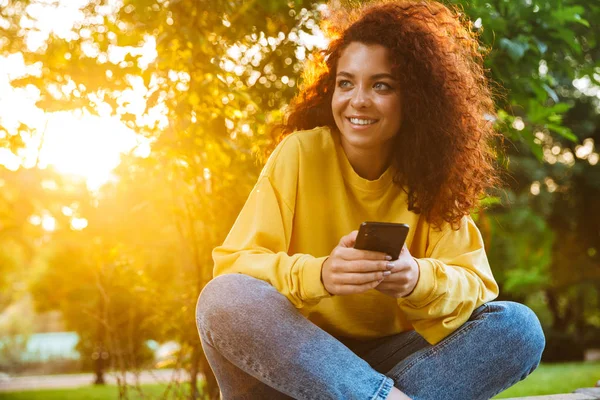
(368, 163)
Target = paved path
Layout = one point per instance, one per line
(10, 384)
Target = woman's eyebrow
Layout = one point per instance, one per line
(373, 77)
(383, 76)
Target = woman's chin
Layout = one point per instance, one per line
(361, 141)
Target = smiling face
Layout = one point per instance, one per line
(366, 100)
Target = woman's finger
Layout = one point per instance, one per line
(353, 289)
(396, 277)
(360, 266)
(349, 240)
(356, 254)
(361, 278)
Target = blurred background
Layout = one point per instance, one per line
(131, 132)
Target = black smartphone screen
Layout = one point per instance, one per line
(385, 237)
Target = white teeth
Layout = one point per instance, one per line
(358, 121)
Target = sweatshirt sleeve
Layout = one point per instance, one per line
(258, 242)
(455, 278)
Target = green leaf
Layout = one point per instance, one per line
(536, 113)
(570, 14)
(516, 50)
(565, 132)
(540, 94)
(561, 108)
(529, 139)
(542, 47)
(490, 201)
(567, 36)
(551, 93)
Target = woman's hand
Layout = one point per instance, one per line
(349, 270)
(404, 277)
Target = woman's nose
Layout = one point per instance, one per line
(360, 99)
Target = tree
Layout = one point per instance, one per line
(546, 241)
(218, 79)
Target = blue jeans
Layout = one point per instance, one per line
(260, 347)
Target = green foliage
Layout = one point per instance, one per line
(544, 236)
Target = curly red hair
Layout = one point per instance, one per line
(443, 156)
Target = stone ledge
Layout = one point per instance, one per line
(594, 392)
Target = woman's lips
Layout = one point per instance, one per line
(360, 123)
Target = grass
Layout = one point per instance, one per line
(90, 393)
(554, 379)
(547, 379)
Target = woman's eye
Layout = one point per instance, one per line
(344, 84)
(382, 86)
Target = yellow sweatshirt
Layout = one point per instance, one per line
(307, 197)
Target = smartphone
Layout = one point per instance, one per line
(385, 237)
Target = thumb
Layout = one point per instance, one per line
(349, 239)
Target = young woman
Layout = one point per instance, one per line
(394, 126)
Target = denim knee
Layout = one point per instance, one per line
(225, 303)
(522, 333)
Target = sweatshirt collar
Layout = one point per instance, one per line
(351, 177)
